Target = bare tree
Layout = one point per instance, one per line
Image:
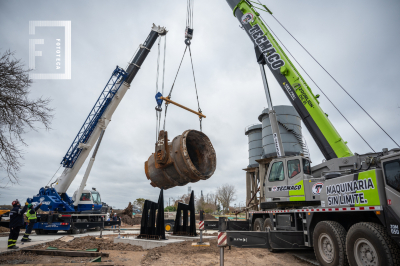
(18, 113)
(209, 208)
(226, 194)
(185, 198)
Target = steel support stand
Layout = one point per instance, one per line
(201, 243)
(221, 256)
(119, 229)
(101, 229)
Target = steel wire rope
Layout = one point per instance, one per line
(365, 111)
(157, 77)
(53, 175)
(195, 86)
(189, 14)
(163, 79)
(317, 84)
(158, 112)
(192, 14)
(172, 87)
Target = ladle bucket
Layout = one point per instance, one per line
(190, 157)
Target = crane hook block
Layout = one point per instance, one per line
(159, 100)
(188, 35)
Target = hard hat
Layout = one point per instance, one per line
(15, 202)
(30, 205)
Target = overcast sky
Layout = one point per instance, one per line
(356, 41)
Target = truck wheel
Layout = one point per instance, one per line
(84, 230)
(370, 244)
(74, 230)
(98, 228)
(38, 231)
(330, 243)
(258, 224)
(268, 224)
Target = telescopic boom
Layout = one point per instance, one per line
(269, 53)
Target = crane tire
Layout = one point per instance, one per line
(74, 230)
(84, 230)
(370, 244)
(258, 224)
(329, 240)
(268, 224)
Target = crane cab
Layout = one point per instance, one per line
(284, 181)
(89, 200)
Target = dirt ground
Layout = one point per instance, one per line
(173, 254)
(127, 220)
(6, 231)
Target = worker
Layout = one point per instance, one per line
(295, 168)
(32, 219)
(115, 218)
(16, 222)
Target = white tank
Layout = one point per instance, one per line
(289, 127)
(254, 134)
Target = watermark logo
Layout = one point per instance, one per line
(56, 60)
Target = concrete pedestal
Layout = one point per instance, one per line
(190, 238)
(146, 244)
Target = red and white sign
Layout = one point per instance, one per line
(389, 201)
(222, 239)
(201, 225)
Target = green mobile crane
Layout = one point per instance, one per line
(346, 208)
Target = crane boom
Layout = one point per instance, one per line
(102, 112)
(269, 53)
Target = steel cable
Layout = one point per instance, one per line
(172, 87)
(359, 105)
(365, 111)
(195, 86)
(317, 85)
(53, 175)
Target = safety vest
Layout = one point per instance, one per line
(30, 216)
